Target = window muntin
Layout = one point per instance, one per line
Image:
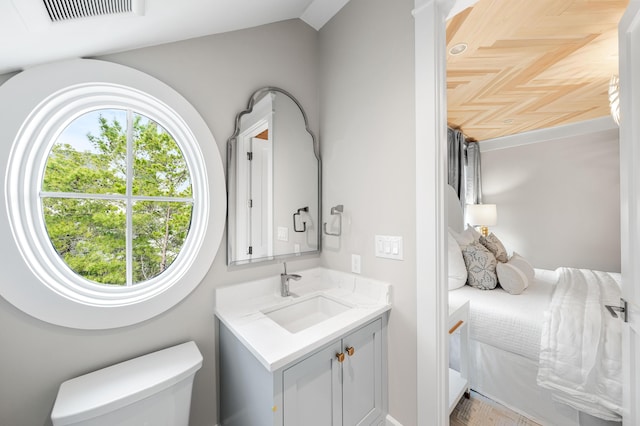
(116, 197)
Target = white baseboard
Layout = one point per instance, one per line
(389, 421)
(392, 422)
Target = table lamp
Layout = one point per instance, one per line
(482, 215)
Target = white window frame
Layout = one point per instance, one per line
(42, 101)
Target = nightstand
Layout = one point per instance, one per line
(459, 380)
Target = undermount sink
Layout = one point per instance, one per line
(306, 313)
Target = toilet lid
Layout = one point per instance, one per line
(119, 385)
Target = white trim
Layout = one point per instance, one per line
(629, 46)
(431, 271)
(459, 6)
(36, 103)
(390, 421)
(260, 119)
(598, 128)
(25, 173)
(319, 12)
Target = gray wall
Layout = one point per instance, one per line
(368, 145)
(217, 74)
(558, 201)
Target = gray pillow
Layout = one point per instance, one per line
(495, 246)
(481, 266)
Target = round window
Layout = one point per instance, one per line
(116, 197)
(114, 191)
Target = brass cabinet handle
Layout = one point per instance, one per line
(350, 350)
(455, 327)
(340, 357)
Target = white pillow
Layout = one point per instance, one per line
(457, 268)
(511, 278)
(524, 266)
(465, 237)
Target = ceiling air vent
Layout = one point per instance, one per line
(65, 10)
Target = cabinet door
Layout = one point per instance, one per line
(312, 390)
(362, 376)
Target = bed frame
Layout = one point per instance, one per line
(508, 378)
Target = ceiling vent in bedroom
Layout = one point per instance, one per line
(66, 10)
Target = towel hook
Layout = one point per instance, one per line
(337, 210)
(304, 224)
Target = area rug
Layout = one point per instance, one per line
(481, 411)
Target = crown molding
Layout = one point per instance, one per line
(598, 128)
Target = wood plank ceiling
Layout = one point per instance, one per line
(531, 64)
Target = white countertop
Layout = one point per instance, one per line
(239, 307)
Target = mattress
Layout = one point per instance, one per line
(509, 322)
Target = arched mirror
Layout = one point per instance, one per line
(273, 177)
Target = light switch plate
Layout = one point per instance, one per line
(389, 247)
(283, 233)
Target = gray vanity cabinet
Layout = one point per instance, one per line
(342, 383)
(313, 389)
(338, 385)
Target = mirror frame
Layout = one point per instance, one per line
(231, 142)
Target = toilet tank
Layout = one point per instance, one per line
(153, 389)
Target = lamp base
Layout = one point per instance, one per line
(484, 231)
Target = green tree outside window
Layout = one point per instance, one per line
(116, 197)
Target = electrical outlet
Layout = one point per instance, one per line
(355, 263)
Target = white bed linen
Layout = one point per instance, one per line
(509, 322)
(510, 380)
(505, 334)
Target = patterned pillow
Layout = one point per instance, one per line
(495, 246)
(481, 266)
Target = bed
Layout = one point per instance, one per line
(520, 355)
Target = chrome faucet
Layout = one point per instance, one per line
(284, 281)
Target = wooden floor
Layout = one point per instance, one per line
(480, 411)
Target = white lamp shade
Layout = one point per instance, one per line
(482, 214)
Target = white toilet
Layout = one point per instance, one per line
(154, 389)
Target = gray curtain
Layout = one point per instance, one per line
(464, 167)
(456, 155)
(473, 175)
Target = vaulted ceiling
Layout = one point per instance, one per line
(531, 64)
(31, 32)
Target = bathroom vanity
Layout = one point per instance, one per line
(316, 357)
